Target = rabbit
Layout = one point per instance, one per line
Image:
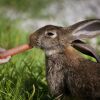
(67, 72)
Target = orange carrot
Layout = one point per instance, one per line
(15, 51)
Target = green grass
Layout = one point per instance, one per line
(23, 78)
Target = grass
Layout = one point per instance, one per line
(23, 78)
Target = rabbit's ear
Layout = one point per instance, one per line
(85, 29)
(86, 49)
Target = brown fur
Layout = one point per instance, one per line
(68, 74)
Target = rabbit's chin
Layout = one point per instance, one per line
(50, 52)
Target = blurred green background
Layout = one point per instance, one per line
(23, 78)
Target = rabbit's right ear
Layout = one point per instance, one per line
(85, 29)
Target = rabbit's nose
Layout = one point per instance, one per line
(33, 40)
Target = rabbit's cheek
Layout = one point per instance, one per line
(46, 44)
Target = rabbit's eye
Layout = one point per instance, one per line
(51, 34)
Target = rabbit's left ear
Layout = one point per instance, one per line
(85, 29)
(86, 49)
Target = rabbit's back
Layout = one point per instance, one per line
(84, 81)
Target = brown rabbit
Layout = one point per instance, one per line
(67, 72)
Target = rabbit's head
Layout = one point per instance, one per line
(56, 38)
(49, 38)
